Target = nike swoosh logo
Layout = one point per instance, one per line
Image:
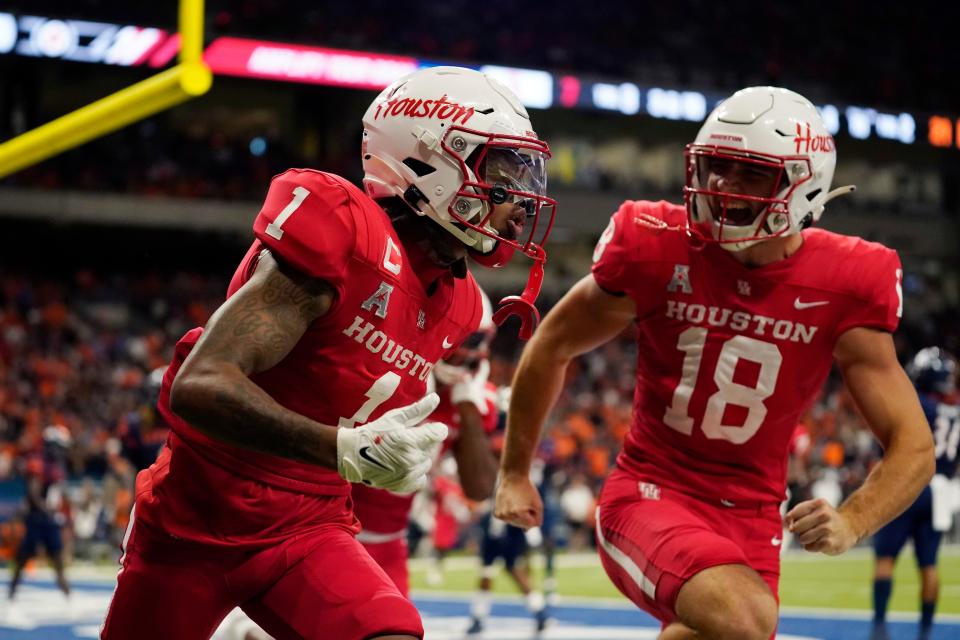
(799, 304)
(775, 541)
(366, 456)
(446, 343)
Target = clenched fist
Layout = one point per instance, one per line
(518, 502)
(818, 526)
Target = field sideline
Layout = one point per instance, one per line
(808, 581)
(824, 599)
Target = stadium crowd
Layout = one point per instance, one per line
(86, 352)
(150, 160)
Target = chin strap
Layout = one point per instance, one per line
(839, 191)
(522, 306)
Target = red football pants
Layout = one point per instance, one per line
(318, 586)
(651, 543)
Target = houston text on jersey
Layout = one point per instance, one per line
(390, 351)
(699, 314)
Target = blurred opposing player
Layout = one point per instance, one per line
(934, 374)
(311, 374)
(467, 407)
(501, 541)
(46, 475)
(543, 470)
(740, 311)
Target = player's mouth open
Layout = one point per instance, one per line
(514, 225)
(739, 215)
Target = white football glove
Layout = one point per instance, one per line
(392, 452)
(534, 536)
(503, 398)
(472, 388)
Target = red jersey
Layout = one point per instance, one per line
(383, 513)
(449, 498)
(449, 415)
(371, 352)
(729, 357)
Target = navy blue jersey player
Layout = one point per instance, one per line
(501, 540)
(934, 374)
(45, 477)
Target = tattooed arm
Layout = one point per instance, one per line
(251, 332)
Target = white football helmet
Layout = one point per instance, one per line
(772, 140)
(933, 370)
(450, 141)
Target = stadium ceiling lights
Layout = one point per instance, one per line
(130, 45)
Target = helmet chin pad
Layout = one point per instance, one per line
(522, 306)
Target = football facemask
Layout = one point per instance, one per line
(738, 197)
(507, 172)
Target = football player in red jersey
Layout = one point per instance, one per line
(468, 408)
(740, 308)
(309, 376)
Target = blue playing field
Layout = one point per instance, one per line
(41, 612)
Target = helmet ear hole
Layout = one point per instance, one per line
(419, 167)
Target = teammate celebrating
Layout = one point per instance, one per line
(740, 310)
(311, 374)
(934, 374)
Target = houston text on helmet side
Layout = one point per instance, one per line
(457, 147)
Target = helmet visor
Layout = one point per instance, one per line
(509, 178)
(520, 171)
(515, 181)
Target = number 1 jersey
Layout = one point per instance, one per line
(728, 356)
(395, 314)
(382, 512)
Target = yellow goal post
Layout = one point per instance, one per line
(190, 78)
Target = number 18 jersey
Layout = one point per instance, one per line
(728, 356)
